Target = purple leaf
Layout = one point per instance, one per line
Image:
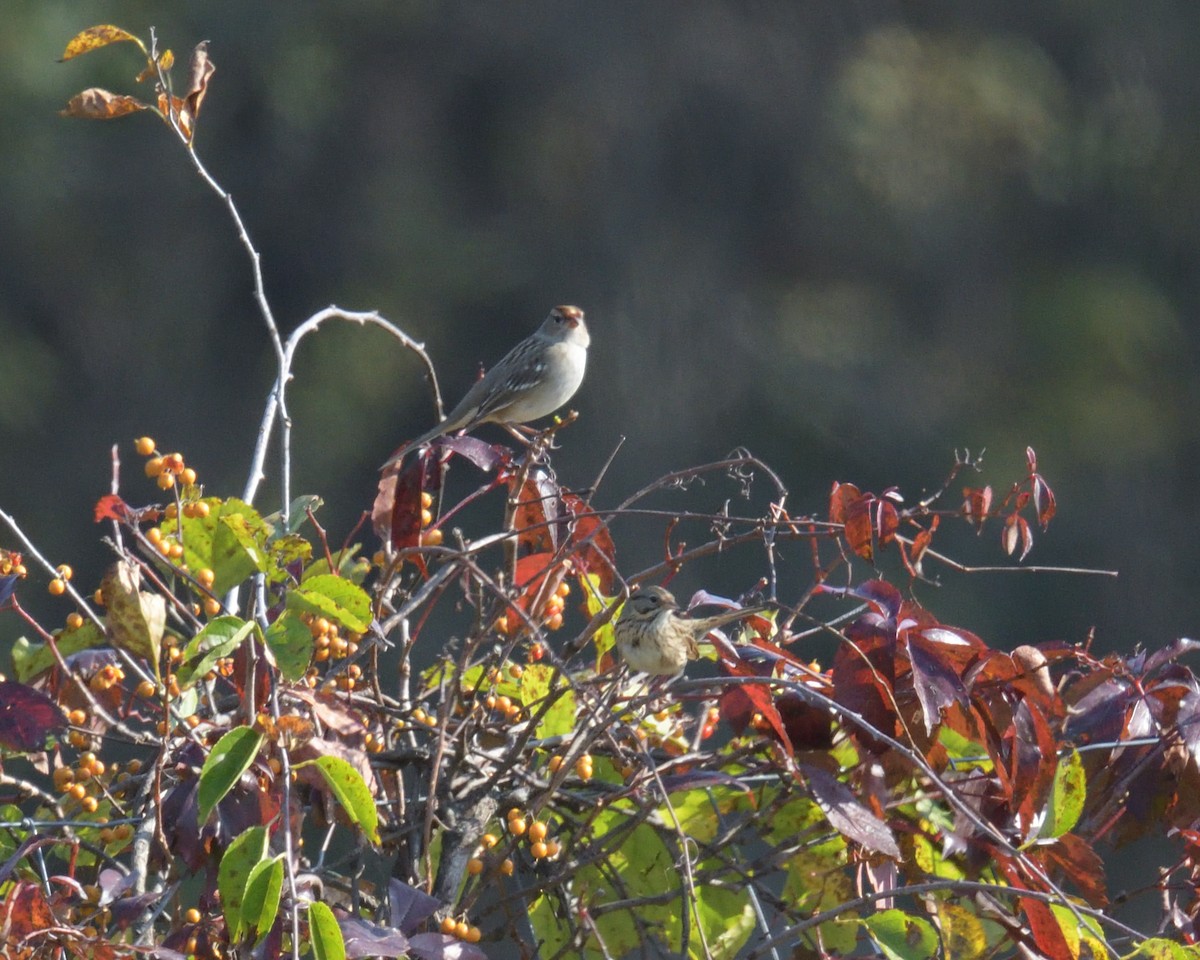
(439, 946)
(366, 939)
(409, 906)
(847, 814)
(27, 717)
(937, 685)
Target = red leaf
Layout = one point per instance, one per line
(1009, 535)
(1026, 537)
(591, 543)
(935, 680)
(538, 509)
(110, 507)
(1081, 864)
(840, 499)
(1043, 500)
(977, 504)
(1047, 934)
(761, 700)
(1031, 459)
(396, 514)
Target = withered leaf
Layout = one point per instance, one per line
(135, 618)
(98, 104)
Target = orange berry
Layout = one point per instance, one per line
(426, 518)
(57, 587)
(200, 509)
(172, 511)
(77, 790)
(205, 577)
(89, 804)
(553, 848)
(145, 689)
(516, 827)
(474, 934)
(447, 926)
(65, 571)
(426, 500)
(154, 535)
(461, 929)
(516, 671)
(501, 624)
(488, 840)
(188, 476)
(192, 915)
(555, 622)
(536, 652)
(77, 717)
(563, 590)
(504, 704)
(144, 445)
(474, 866)
(556, 763)
(63, 778)
(538, 831)
(165, 480)
(506, 868)
(153, 467)
(173, 462)
(432, 538)
(212, 606)
(538, 850)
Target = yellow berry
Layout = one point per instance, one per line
(165, 480)
(516, 827)
(447, 926)
(153, 467)
(488, 840)
(515, 671)
(134, 766)
(77, 717)
(200, 509)
(188, 476)
(98, 597)
(65, 571)
(144, 446)
(192, 915)
(461, 929)
(426, 500)
(212, 606)
(172, 511)
(538, 831)
(474, 934)
(57, 587)
(205, 577)
(538, 850)
(563, 590)
(432, 538)
(506, 868)
(474, 866)
(63, 778)
(154, 535)
(555, 622)
(145, 689)
(426, 518)
(556, 763)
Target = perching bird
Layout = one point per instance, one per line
(531, 381)
(654, 637)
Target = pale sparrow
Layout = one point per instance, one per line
(531, 381)
(653, 636)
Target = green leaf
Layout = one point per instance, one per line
(1067, 797)
(291, 644)
(962, 932)
(245, 852)
(230, 541)
(324, 932)
(535, 688)
(219, 638)
(333, 597)
(351, 791)
(31, 659)
(260, 905)
(227, 761)
(901, 936)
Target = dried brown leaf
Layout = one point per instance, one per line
(98, 104)
(93, 38)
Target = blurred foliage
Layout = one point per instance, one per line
(850, 238)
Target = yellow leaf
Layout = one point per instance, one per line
(97, 104)
(93, 38)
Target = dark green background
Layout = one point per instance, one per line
(852, 237)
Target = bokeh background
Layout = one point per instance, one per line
(852, 237)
